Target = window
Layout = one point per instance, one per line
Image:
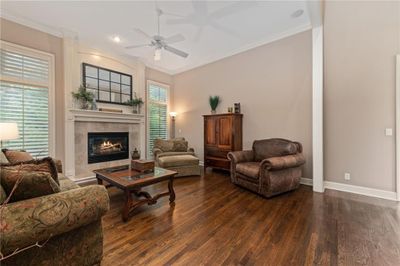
(157, 113)
(107, 85)
(26, 82)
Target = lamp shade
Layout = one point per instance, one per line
(9, 131)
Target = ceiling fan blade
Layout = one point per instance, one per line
(175, 51)
(136, 46)
(231, 9)
(185, 20)
(144, 34)
(200, 7)
(174, 38)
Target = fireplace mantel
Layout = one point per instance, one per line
(100, 116)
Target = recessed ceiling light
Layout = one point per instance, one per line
(116, 39)
(297, 13)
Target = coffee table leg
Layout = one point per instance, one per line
(171, 189)
(99, 181)
(127, 206)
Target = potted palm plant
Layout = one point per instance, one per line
(214, 101)
(136, 104)
(83, 97)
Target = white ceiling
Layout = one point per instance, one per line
(212, 29)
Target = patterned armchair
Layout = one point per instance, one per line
(272, 167)
(69, 222)
(175, 155)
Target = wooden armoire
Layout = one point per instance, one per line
(222, 134)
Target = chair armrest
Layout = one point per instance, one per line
(26, 222)
(173, 153)
(190, 150)
(156, 151)
(241, 156)
(283, 162)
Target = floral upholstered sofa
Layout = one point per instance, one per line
(67, 221)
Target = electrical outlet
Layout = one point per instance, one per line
(346, 176)
(388, 132)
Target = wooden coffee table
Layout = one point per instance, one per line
(132, 182)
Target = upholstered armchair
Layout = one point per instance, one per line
(175, 155)
(273, 166)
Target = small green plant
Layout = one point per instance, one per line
(135, 101)
(214, 101)
(83, 95)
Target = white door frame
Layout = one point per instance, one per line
(398, 126)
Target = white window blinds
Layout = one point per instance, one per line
(24, 98)
(157, 114)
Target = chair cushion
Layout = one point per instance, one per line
(31, 184)
(267, 148)
(17, 156)
(178, 160)
(251, 169)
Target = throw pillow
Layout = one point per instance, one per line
(17, 156)
(31, 184)
(180, 145)
(43, 165)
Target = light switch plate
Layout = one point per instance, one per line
(388, 132)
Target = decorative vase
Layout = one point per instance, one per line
(83, 104)
(213, 112)
(135, 154)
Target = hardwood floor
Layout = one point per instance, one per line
(215, 222)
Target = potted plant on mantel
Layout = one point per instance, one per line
(214, 101)
(136, 104)
(83, 97)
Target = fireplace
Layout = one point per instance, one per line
(107, 146)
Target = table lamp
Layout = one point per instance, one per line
(173, 116)
(8, 131)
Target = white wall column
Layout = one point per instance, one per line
(398, 126)
(318, 86)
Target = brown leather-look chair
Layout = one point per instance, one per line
(272, 167)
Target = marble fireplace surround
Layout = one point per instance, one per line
(81, 122)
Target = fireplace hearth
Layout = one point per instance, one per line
(107, 146)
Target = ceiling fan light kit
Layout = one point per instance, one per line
(159, 42)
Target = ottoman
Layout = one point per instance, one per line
(185, 165)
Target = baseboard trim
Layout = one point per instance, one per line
(366, 191)
(306, 181)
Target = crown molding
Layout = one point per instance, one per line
(6, 14)
(222, 55)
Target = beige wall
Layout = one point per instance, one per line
(272, 83)
(361, 40)
(25, 36)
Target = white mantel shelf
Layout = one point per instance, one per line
(100, 116)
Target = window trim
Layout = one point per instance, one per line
(50, 58)
(163, 85)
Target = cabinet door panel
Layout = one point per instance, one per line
(224, 132)
(209, 131)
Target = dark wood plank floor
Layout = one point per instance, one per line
(216, 223)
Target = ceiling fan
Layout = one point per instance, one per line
(159, 42)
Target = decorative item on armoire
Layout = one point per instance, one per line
(230, 110)
(214, 101)
(237, 108)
